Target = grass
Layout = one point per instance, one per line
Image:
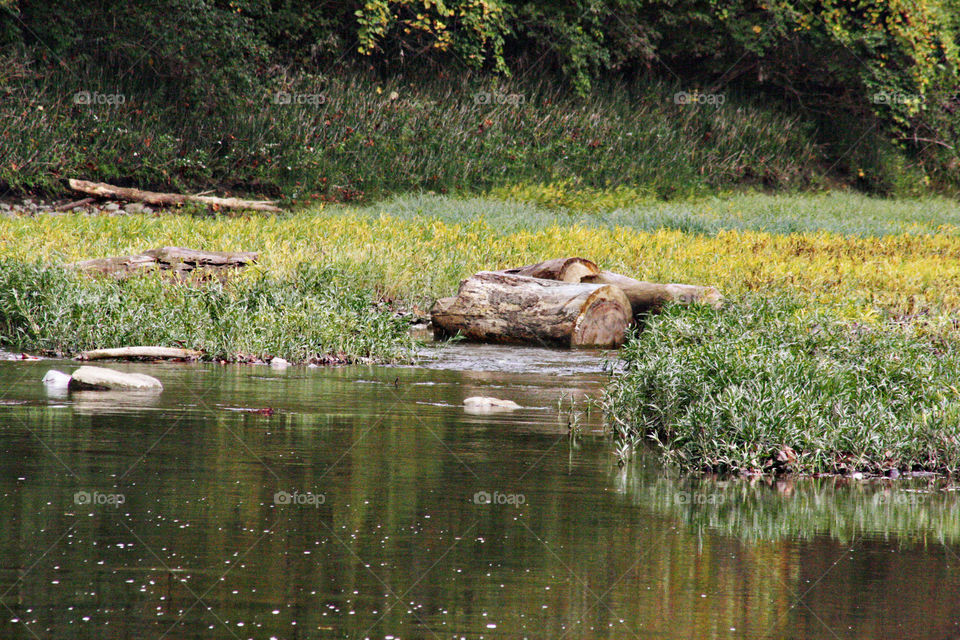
(840, 212)
(308, 315)
(353, 136)
(385, 248)
(769, 385)
(839, 353)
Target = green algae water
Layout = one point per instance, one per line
(363, 502)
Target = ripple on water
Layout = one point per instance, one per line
(515, 359)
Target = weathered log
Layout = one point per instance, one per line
(104, 190)
(66, 206)
(504, 307)
(646, 297)
(561, 269)
(168, 258)
(136, 353)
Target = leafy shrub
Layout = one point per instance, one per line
(766, 385)
(311, 314)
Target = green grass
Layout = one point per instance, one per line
(369, 138)
(312, 314)
(768, 385)
(534, 208)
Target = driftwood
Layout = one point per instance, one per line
(562, 269)
(177, 259)
(504, 307)
(646, 297)
(136, 353)
(70, 205)
(103, 190)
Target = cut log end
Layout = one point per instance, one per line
(503, 307)
(603, 321)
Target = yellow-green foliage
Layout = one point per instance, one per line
(419, 259)
(566, 195)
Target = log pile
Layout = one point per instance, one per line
(566, 302)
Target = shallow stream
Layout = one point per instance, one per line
(363, 502)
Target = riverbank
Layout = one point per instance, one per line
(829, 294)
(311, 315)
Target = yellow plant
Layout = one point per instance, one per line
(420, 259)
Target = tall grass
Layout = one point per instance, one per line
(768, 385)
(348, 135)
(309, 315)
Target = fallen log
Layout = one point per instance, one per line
(70, 205)
(504, 307)
(561, 269)
(136, 353)
(176, 259)
(104, 190)
(647, 297)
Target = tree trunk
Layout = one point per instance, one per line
(136, 353)
(646, 297)
(504, 307)
(104, 190)
(561, 269)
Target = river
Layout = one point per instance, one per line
(363, 502)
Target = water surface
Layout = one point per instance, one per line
(362, 502)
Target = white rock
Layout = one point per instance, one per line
(484, 404)
(279, 363)
(100, 379)
(56, 379)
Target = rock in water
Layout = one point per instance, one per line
(100, 379)
(279, 363)
(56, 379)
(483, 404)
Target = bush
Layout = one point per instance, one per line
(307, 316)
(765, 386)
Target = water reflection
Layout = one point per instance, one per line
(414, 520)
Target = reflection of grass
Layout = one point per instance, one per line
(768, 510)
(767, 384)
